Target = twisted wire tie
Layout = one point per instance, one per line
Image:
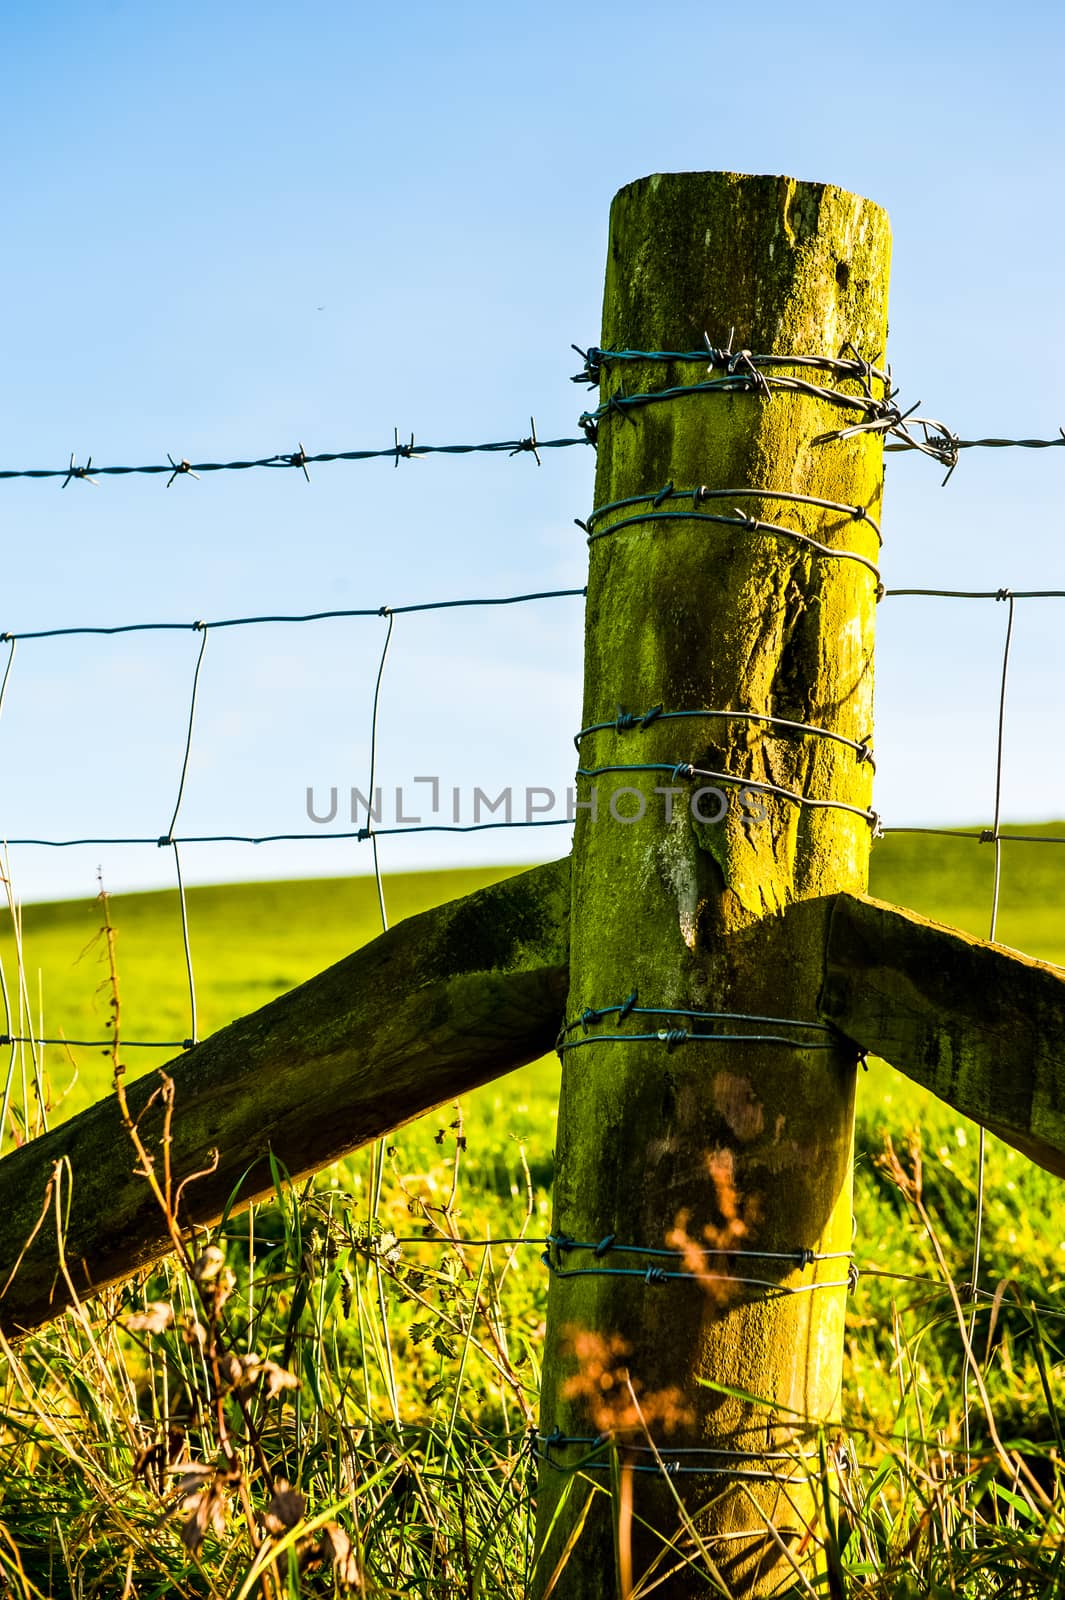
(672, 1037)
(743, 361)
(802, 1255)
(741, 520)
(629, 1004)
(702, 492)
(614, 405)
(656, 1275)
(685, 769)
(626, 721)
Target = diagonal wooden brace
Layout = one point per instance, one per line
(453, 998)
(438, 1005)
(980, 1025)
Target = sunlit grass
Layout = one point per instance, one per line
(418, 1358)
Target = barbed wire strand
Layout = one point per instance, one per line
(295, 460)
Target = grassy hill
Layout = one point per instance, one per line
(252, 941)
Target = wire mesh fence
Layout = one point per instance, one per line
(24, 1107)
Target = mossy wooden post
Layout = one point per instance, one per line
(690, 615)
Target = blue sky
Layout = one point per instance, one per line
(230, 229)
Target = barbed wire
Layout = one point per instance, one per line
(297, 460)
(744, 371)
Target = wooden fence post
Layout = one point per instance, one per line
(694, 605)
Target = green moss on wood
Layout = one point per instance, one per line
(695, 615)
(979, 1025)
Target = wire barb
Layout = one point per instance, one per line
(299, 459)
(182, 469)
(82, 473)
(531, 444)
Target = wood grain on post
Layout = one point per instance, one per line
(695, 615)
(441, 1003)
(978, 1024)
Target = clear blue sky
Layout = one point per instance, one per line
(231, 228)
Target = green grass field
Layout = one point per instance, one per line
(402, 1329)
(252, 941)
